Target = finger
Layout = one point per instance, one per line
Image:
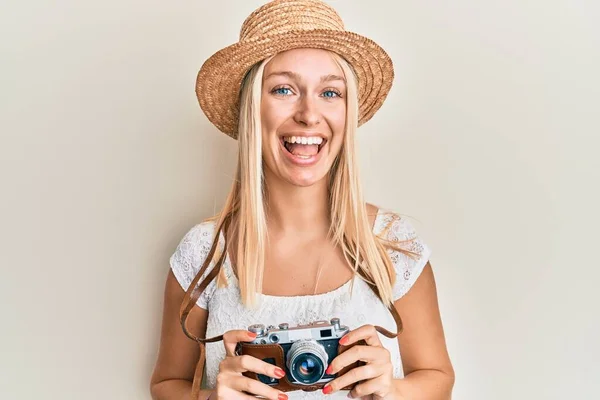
(232, 338)
(366, 333)
(369, 371)
(368, 354)
(240, 364)
(366, 388)
(257, 388)
(227, 393)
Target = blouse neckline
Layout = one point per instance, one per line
(334, 292)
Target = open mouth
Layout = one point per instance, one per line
(302, 146)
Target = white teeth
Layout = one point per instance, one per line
(303, 139)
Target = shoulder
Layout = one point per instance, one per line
(200, 233)
(388, 224)
(393, 226)
(406, 248)
(194, 246)
(395, 230)
(190, 254)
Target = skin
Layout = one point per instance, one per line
(302, 94)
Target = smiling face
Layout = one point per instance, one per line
(303, 115)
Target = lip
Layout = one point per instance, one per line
(303, 162)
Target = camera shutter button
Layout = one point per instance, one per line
(259, 329)
(336, 323)
(284, 326)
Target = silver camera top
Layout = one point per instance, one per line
(318, 330)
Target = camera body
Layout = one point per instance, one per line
(303, 352)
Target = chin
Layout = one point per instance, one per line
(304, 179)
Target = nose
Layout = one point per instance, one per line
(307, 113)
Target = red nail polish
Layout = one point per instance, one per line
(344, 340)
(252, 335)
(327, 389)
(282, 397)
(279, 373)
(328, 370)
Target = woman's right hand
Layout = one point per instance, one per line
(231, 383)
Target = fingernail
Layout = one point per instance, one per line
(344, 340)
(328, 370)
(282, 397)
(327, 389)
(252, 335)
(279, 373)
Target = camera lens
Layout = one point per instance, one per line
(308, 368)
(307, 361)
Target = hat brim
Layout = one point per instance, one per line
(220, 78)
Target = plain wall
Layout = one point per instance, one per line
(488, 139)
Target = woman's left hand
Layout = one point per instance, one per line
(377, 378)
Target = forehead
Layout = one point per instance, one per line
(308, 63)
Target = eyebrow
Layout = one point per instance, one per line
(330, 77)
(297, 77)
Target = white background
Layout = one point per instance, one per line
(489, 139)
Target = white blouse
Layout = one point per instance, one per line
(355, 309)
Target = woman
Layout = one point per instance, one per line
(295, 242)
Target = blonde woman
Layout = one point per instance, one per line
(295, 242)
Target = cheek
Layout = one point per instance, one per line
(272, 115)
(340, 124)
(337, 122)
(270, 121)
(337, 115)
(265, 115)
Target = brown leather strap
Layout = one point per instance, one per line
(391, 308)
(189, 301)
(198, 374)
(194, 290)
(399, 325)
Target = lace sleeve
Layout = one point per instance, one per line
(189, 257)
(408, 267)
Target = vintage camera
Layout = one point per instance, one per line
(303, 352)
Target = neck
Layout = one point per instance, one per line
(302, 211)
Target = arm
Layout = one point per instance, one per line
(177, 357)
(428, 371)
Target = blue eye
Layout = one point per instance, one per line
(283, 91)
(330, 94)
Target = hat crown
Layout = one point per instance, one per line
(283, 16)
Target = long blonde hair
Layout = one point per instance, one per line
(350, 229)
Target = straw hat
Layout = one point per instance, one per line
(282, 25)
